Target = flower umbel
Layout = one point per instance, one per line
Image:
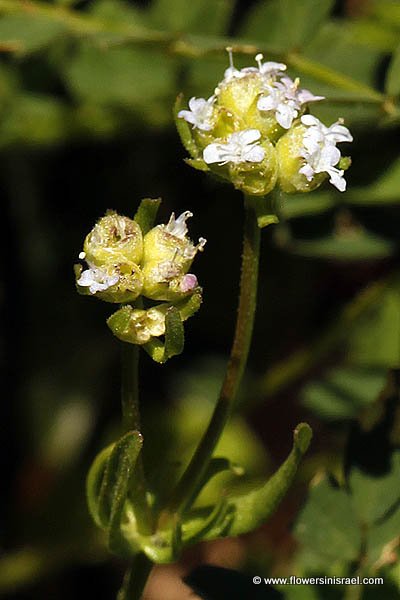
(250, 132)
(164, 256)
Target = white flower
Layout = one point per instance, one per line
(97, 280)
(320, 152)
(200, 114)
(178, 228)
(286, 100)
(240, 147)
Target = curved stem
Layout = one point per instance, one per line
(237, 362)
(136, 578)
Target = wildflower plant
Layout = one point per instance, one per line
(257, 133)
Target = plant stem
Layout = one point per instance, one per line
(130, 387)
(135, 578)
(131, 422)
(191, 478)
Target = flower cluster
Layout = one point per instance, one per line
(255, 131)
(124, 265)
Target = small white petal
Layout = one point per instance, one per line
(177, 227)
(266, 103)
(337, 179)
(306, 96)
(310, 120)
(307, 171)
(213, 153)
(285, 115)
(248, 136)
(255, 154)
(271, 67)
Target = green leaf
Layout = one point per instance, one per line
(28, 32)
(93, 486)
(114, 489)
(120, 76)
(250, 510)
(375, 340)
(393, 74)
(384, 190)
(332, 46)
(344, 391)
(327, 526)
(34, 119)
(373, 34)
(174, 333)
(146, 213)
(108, 481)
(286, 24)
(216, 466)
(174, 338)
(382, 535)
(197, 16)
(347, 245)
(382, 492)
(300, 205)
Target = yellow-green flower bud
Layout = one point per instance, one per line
(237, 98)
(114, 239)
(138, 326)
(167, 256)
(112, 283)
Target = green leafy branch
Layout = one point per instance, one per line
(49, 22)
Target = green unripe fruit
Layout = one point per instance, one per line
(289, 149)
(114, 240)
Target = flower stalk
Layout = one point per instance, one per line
(131, 422)
(237, 362)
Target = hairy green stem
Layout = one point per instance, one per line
(131, 422)
(136, 578)
(191, 478)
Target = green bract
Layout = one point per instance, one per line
(110, 491)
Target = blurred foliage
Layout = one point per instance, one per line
(86, 96)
